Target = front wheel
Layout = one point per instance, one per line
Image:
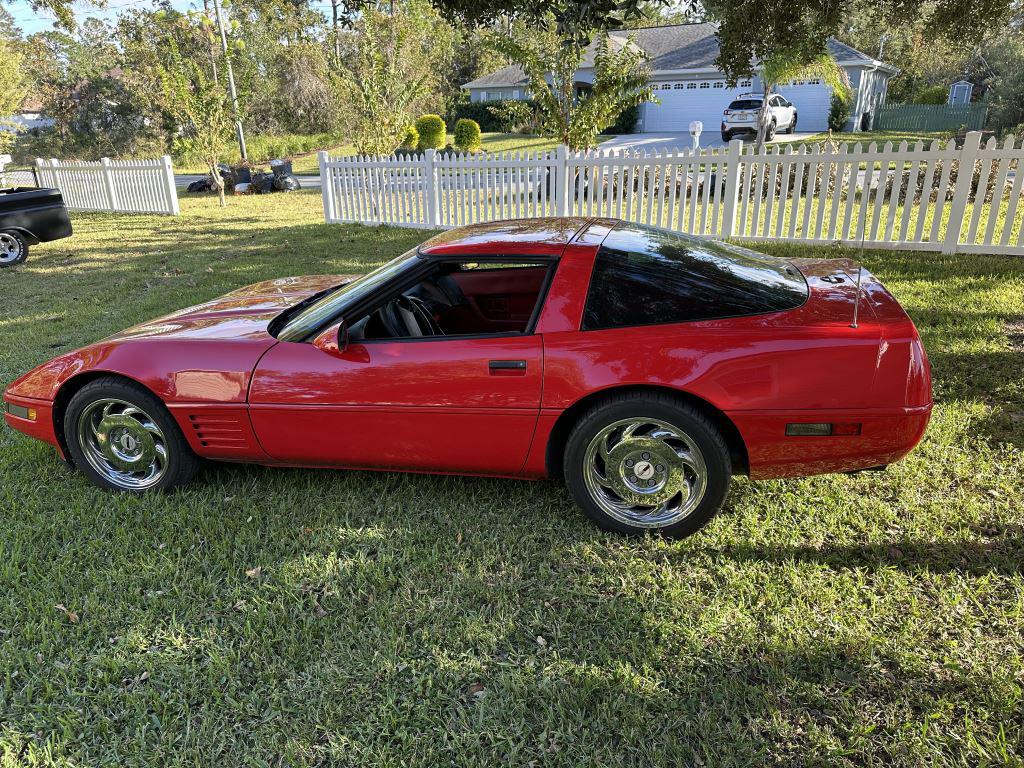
(769, 133)
(123, 438)
(792, 126)
(644, 462)
(13, 248)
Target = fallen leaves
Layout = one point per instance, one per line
(72, 616)
(254, 573)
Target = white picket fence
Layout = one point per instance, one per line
(910, 196)
(125, 186)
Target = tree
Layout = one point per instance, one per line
(390, 79)
(576, 115)
(12, 91)
(199, 106)
(777, 69)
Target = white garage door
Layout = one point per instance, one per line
(812, 99)
(686, 100)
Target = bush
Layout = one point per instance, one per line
(933, 94)
(625, 122)
(433, 134)
(410, 137)
(503, 116)
(467, 135)
(840, 111)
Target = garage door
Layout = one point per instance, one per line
(812, 99)
(687, 100)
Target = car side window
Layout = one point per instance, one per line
(648, 276)
(461, 298)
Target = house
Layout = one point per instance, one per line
(689, 85)
(30, 115)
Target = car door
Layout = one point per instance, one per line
(432, 404)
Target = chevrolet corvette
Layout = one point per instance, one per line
(644, 366)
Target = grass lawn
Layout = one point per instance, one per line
(879, 138)
(272, 617)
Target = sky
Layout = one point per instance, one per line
(31, 21)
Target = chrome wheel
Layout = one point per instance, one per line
(11, 248)
(123, 443)
(645, 472)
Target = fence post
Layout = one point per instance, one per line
(731, 169)
(55, 176)
(172, 190)
(326, 188)
(431, 191)
(40, 178)
(108, 183)
(562, 180)
(962, 192)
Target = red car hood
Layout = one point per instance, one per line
(243, 313)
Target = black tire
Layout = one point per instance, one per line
(769, 133)
(726, 137)
(180, 464)
(792, 126)
(667, 409)
(13, 248)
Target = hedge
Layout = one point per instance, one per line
(467, 135)
(478, 112)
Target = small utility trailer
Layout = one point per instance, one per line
(29, 216)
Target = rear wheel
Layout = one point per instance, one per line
(123, 439)
(647, 462)
(769, 133)
(13, 248)
(726, 137)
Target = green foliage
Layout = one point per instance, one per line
(779, 69)
(512, 115)
(625, 123)
(432, 132)
(410, 137)
(840, 109)
(933, 94)
(13, 87)
(467, 135)
(390, 76)
(551, 61)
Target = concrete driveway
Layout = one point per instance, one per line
(663, 142)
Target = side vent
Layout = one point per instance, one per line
(222, 432)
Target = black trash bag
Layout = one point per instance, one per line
(241, 174)
(281, 167)
(262, 183)
(286, 183)
(200, 185)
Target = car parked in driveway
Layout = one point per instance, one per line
(644, 366)
(742, 113)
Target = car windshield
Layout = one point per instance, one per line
(746, 104)
(298, 326)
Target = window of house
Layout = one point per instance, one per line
(649, 276)
(680, 86)
(719, 84)
(744, 84)
(691, 86)
(705, 84)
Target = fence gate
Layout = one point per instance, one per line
(911, 196)
(125, 186)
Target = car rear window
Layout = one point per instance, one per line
(746, 104)
(649, 276)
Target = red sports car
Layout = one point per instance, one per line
(643, 365)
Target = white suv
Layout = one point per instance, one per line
(741, 116)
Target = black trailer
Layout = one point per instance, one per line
(29, 216)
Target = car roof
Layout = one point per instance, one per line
(544, 236)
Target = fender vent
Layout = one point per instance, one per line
(221, 430)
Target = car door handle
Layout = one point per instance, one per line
(507, 367)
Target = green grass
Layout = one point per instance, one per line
(880, 138)
(841, 620)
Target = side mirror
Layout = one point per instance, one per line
(334, 340)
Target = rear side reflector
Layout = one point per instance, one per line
(822, 429)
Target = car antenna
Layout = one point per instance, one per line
(860, 272)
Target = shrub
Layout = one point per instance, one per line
(433, 134)
(840, 111)
(504, 116)
(467, 135)
(625, 122)
(410, 137)
(933, 94)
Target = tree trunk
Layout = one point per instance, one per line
(337, 39)
(762, 118)
(218, 181)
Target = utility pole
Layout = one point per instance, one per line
(231, 80)
(337, 38)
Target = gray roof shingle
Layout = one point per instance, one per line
(675, 47)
